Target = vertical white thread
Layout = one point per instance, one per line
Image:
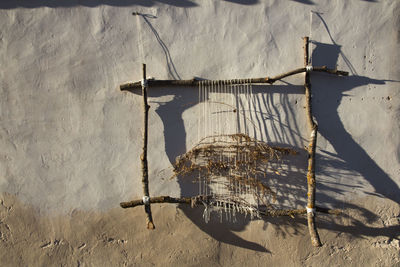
(206, 133)
(205, 125)
(242, 112)
(222, 99)
(202, 126)
(246, 158)
(225, 156)
(218, 114)
(310, 38)
(253, 111)
(247, 132)
(212, 95)
(201, 106)
(205, 90)
(254, 107)
(233, 131)
(237, 131)
(216, 111)
(243, 99)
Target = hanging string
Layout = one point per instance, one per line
(199, 123)
(310, 36)
(235, 129)
(250, 116)
(221, 89)
(230, 126)
(207, 117)
(140, 40)
(252, 112)
(237, 119)
(243, 111)
(246, 130)
(224, 106)
(218, 127)
(251, 108)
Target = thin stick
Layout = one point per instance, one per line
(143, 157)
(198, 200)
(195, 82)
(167, 199)
(315, 240)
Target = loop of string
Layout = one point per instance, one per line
(140, 40)
(146, 200)
(310, 210)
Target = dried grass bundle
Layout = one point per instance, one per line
(235, 165)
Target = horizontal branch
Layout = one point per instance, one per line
(289, 212)
(194, 201)
(162, 199)
(194, 82)
(198, 200)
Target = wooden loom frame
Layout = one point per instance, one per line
(311, 208)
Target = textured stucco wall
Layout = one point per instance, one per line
(70, 140)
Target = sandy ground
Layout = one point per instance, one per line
(360, 237)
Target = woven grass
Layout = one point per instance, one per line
(237, 164)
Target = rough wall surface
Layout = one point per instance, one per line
(70, 140)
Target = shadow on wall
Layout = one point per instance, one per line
(351, 158)
(10, 4)
(332, 129)
(291, 182)
(306, 2)
(330, 124)
(168, 59)
(309, 2)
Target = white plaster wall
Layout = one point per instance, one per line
(69, 139)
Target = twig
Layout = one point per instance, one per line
(315, 240)
(194, 82)
(143, 157)
(167, 199)
(199, 200)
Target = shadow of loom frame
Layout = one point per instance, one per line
(351, 158)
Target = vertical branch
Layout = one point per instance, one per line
(143, 157)
(311, 154)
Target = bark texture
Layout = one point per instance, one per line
(198, 200)
(143, 157)
(315, 240)
(130, 86)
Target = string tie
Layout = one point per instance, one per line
(146, 200)
(313, 133)
(310, 210)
